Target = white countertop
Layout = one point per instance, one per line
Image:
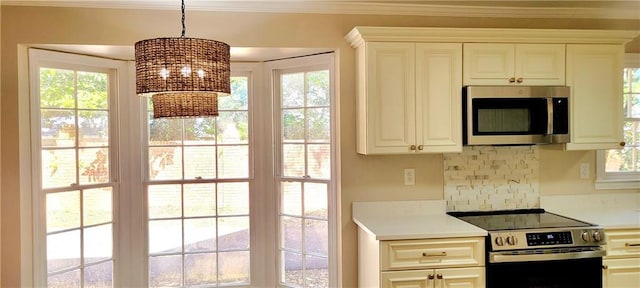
(607, 210)
(399, 220)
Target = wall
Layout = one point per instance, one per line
(363, 178)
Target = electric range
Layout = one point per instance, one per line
(534, 248)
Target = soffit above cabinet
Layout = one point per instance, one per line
(361, 34)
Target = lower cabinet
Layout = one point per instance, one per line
(619, 273)
(446, 277)
(621, 266)
(420, 263)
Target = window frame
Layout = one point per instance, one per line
(309, 63)
(617, 180)
(129, 218)
(119, 85)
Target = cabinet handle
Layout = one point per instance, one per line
(441, 254)
(511, 80)
(519, 80)
(439, 276)
(430, 277)
(412, 147)
(622, 144)
(605, 267)
(420, 147)
(628, 245)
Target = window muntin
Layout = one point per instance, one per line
(305, 169)
(198, 196)
(76, 173)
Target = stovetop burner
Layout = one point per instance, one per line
(517, 219)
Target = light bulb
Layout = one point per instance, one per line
(201, 73)
(164, 73)
(186, 70)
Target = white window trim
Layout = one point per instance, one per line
(30, 181)
(132, 270)
(271, 70)
(617, 180)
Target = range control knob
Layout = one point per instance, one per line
(499, 241)
(586, 236)
(512, 240)
(597, 236)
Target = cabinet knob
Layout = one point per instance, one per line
(605, 267)
(430, 277)
(622, 144)
(511, 80)
(420, 147)
(439, 276)
(412, 147)
(519, 80)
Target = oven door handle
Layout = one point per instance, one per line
(498, 257)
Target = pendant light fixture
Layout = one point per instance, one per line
(184, 76)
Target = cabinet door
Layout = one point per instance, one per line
(488, 64)
(439, 97)
(460, 277)
(621, 273)
(407, 279)
(540, 64)
(594, 74)
(623, 243)
(432, 253)
(389, 98)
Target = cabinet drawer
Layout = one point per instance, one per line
(408, 254)
(623, 243)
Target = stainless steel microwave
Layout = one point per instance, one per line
(515, 115)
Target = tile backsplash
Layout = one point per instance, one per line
(492, 178)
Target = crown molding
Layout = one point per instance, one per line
(361, 34)
(407, 8)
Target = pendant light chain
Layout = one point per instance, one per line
(183, 26)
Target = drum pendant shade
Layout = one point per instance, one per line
(184, 76)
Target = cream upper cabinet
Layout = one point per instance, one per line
(594, 75)
(409, 98)
(514, 64)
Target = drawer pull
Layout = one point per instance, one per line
(625, 244)
(605, 267)
(441, 254)
(439, 276)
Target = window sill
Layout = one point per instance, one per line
(617, 184)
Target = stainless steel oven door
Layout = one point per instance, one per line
(546, 254)
(548, 269)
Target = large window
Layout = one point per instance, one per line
(304, 173)
(120, 199)
(74, 108)
(198, 196)
(620, 168)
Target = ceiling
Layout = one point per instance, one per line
(562, 9)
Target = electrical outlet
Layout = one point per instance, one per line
(409, 177)
(584, 170)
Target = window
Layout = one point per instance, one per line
(621, 168)
(121, 199)
(304, 175)
(198, 196)
(74, 108)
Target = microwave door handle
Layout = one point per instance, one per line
(549, 116)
